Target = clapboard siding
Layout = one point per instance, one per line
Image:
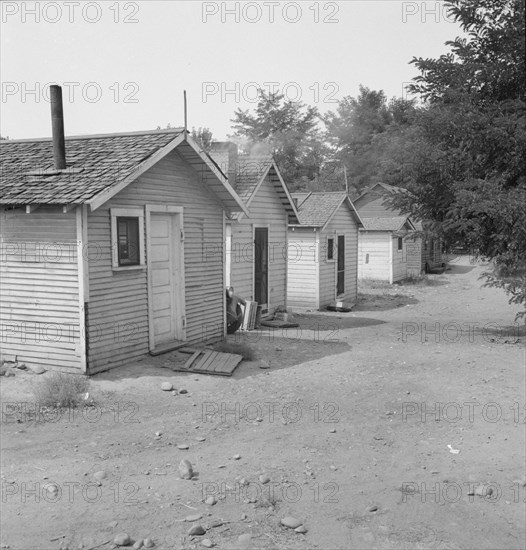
(118, 307)
(39, 304)
(377, 265)
(266, 209)
(343, 223)
(303, 269)
(415, 258)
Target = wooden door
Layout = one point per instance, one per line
(340, 277)
(165, 292)
(261, 266)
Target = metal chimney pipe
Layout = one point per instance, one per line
(57, 125)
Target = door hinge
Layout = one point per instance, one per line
(182, 235)
(184, 321)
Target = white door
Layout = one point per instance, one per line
(164, 263)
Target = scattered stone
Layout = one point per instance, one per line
(332, 431)
(38, 369)
(200, 439)
(243, 517)
(158, 434)
(236, 457)
(183, 391)
(196, 530)
(211, 501)
(216, 523)
(193, 518)
(373, 508)
(301, 529)
(99, 476)
(207, 543)
(481, 491)
(244, 481)
(290, 522)
(138, 545)
(21, 366)
(148, 543)
(183, 447)
(185, 469)
(221, 466)
(166, 386)
(264, 478)
(333, 467)
(244, 538)
(113, 524)
(122, 539)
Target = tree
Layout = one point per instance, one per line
(466, 146)
(203, 136)
(289, 130)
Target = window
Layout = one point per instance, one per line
(367, 258)
(340, 276)
(127, 237)
(128, 241)
(330, 249)
(400, 243)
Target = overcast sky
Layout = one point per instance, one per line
(124, 65)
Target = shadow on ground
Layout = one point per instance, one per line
(382, 302)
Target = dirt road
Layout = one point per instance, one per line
(372, 433)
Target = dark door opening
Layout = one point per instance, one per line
(340, 281)
(261, 266)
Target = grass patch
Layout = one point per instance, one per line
(60, 390)
(238, 349)
(420, 280)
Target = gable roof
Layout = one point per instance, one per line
(317, 209)
(251, 172)
(386, 224)
(98, 167)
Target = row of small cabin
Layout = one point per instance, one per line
(128, 249)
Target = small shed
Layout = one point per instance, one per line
(382, 251)
(415, 254)
(323, 251)
(115, 253)
(256, 242)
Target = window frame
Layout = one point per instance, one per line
(116, 213)
(400, 244)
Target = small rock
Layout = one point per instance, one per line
(243, 517)
(38, 369)
(185, 469)
(210, 501)
(290, 522)
(333, 467)
(207, 543)
(200, 438)
(166, 386)
(193, 518)
(183, 391)
(183, 447)
(158, 434)
(301, 529)
(332, 431)
(244, 538)
(148, 543)
(122, 539)
(99, 475)
(113, 524)
(196, 530)
(236, 457)
(21, 366)
(138, 545)
(373, 508)
(264, 478)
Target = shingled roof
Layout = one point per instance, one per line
(385, 224)
(97, 165)
(317, 209)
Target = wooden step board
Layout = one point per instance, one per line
(210, 362)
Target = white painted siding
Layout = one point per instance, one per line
(266, 209)
(118, 306)
(39, 305)
(343, 223)
(376, 245)
(303, 269)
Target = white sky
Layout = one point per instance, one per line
(131, 61)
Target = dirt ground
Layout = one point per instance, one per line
(373, 428)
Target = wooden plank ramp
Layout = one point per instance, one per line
(210, 362)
